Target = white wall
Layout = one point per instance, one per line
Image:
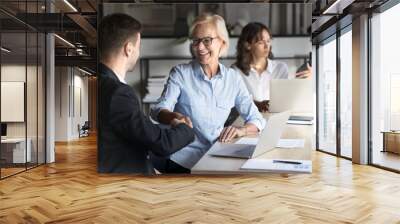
(33, 126)
(81, 104)
(12, 73)
(173, 47)
(61, 103)
(71, 102)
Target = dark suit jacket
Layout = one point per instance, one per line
(126, 135)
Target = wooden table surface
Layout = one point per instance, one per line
(223, 165)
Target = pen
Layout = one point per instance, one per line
(288, 162)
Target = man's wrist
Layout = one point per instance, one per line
(175, 122)
(178, 115)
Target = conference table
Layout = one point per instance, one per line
(209, 164)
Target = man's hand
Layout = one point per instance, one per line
(179, 118)
(177, 115)
(231, 132)
(304, 74)
(167, 117)
(175, 122)
(262, 106)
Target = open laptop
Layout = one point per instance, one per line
(291, 94)
(268, 140)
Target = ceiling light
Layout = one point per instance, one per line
(65, 41)
(84, 71)
(70, 5)
(326, 11)
(5, 50)
(337, 7)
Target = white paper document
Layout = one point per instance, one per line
(280, 165)
(291, 143)
(283, 143)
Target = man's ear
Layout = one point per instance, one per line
(128, 48)
(137, 42)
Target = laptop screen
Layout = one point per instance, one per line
(291, 94)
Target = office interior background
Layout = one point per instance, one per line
(165, 42)
(48, 72)
(49, 47)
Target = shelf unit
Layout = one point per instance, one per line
(146, 67)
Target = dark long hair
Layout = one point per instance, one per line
(251, 33)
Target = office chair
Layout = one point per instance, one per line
(84, 130)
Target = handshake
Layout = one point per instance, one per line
(181, 119)
(227, 134)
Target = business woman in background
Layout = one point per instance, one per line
(254, 63)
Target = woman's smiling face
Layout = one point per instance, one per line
(206, 44)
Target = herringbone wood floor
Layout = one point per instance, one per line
(71, 191)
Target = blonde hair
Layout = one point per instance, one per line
(220, 26)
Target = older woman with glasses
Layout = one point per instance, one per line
(203, 92)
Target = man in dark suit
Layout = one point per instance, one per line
(126, 135)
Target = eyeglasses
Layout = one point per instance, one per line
(207, 41)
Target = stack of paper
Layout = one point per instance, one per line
(307, 120)
(291, 143)
(300, 166)
(300, 122)
(283, 143)
(155, 86)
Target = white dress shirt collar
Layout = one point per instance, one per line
(121, 80)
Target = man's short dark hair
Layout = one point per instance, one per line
(114, 31)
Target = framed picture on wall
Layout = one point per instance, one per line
(12, 101)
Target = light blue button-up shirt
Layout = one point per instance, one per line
(208, 103)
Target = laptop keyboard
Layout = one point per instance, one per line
(245, 151)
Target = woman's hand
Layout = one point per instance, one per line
(304, 74)
(173, 118)
(180, 118)
(231, 132)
